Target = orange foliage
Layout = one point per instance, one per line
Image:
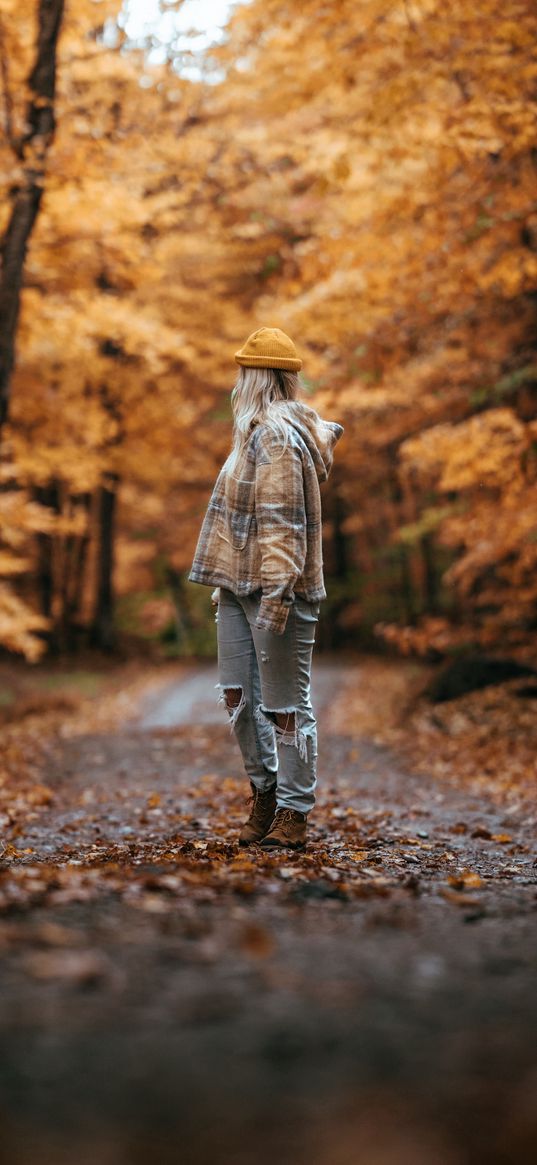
(363, 177)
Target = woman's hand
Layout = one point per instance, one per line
(215, 597)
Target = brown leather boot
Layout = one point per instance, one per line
(261, 815)
(287, 830)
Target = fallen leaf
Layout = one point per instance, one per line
(256, 940)
(459, 899)
(464, 879)
(80, 968)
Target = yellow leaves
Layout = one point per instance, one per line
(505, 527)
(515, 34)
(19, 517)
(18, 624)
(483, 452)
(10, 565)
(342, 168)
(351, 167)
(10, 8)
(96, 209)
(466, 879)
(248, 230)
(514, 274)
(432, 633)
(39, 795)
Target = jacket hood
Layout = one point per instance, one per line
(318, 435)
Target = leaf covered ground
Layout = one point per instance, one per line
(167, 996)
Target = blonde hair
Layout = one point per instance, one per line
(262, 395)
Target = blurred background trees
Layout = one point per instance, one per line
(359, 174)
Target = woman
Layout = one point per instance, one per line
(260, 545)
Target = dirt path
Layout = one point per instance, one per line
(193, 700)
(165, 997)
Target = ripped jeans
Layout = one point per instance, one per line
(272, 673)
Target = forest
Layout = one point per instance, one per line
(360, 175)
(179, 984)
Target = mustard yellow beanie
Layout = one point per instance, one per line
(269, 348)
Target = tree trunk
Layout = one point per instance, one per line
(76, 580)
(394, 515)
(341, 553)
(415, 561)
(431, 574)
(47, 495)
(333, 634)
(183, 621)
(102, 629)
(27, 193)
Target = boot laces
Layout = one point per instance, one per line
(259, 795)
(286, 816)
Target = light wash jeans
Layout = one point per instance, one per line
(273, 674)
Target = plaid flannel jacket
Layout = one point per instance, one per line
(262, 529)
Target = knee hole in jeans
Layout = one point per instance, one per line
(285, 726)
(235, 701)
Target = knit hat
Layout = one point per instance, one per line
(269, 348)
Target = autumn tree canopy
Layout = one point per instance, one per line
(361, 176)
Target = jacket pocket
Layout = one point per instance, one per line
(237, 512)
(234, 528)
